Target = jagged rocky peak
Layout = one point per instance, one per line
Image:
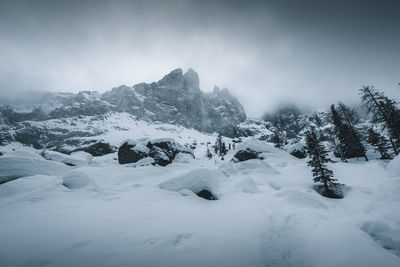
(174, 78)
(180, 80)
(191, 79)
(86, 96)
(123, 98)
(175, 99)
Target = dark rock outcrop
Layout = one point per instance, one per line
(243, 155)
(336, 192)
(299, 153)
(162, 151)
(130, 153)
(98, 149)
(206, 195)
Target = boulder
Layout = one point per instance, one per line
(98, 149)
(299, 153)
(162, 151)
(160, 156)
(130, 152)
(254, 149)
(246, 154)
(206, 195)
(78, 158)
(16, 166)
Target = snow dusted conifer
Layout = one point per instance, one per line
(379, 142)
(220, 147)
(385, 111)
(318, 159)
(351, 118)
(349, 143)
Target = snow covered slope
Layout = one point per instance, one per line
(267, 214)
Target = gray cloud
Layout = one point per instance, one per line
(265, 52)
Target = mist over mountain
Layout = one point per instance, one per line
(199, 133)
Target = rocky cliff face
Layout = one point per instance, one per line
(175, 99)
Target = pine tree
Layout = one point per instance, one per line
(351, 118)
(349, 143)
(379, 142)
(220, 147)
(384, 110)
(318, 159)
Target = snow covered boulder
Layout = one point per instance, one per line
(160, 156)
(252, 149)
(79, 158)
(202, 182)
(77, 179)
(100, 148)
(16, 166)
(162, 151)
(131, 152)
(246, 154)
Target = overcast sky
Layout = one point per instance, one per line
(266, 52)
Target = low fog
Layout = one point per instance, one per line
(267, 53)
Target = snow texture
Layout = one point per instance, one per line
(267, 214)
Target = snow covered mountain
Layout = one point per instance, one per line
(133, 177)
(175, 99)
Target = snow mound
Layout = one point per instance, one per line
(384, 234)
(22, 154)
(145, 162)
(383, 222)
(140, 163)
(77, 179)
(247, 186)
(183, 158)
(256, 145)
(248, 167)
(301, 199)
(387, 197)
(256, 149)
(79, 158)
(29, 184)
(394, 167)
(196, 181)
(13, 167)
